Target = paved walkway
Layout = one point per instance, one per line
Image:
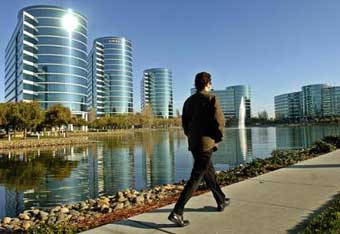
(274, 203)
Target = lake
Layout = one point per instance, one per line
(50, 176)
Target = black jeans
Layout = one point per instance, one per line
(203, 168)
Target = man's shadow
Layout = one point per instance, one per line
(153, 225)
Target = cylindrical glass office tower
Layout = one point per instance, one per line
(47, 58)
(110, 76)
(157, 92)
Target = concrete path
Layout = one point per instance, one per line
(278, 202)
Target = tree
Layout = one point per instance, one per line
(92, 115)
(30, 116)
(263, 115)
(3, 111)
(13, 117)
(147, 116)
(57, 115)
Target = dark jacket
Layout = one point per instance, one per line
(202, 121)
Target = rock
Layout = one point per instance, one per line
(36, 211)
(169, 187)
(120, 194)
(6, 220)
(131, 196)
(119, 206)
(91, 202)
(43, 215)
(83, 206)
(61, 217)
(17, 227)
(10, 227)
(139, 200)
(149, 201)
(74, 213)
(26, 225)
(56, 209)
(148, 195)
(127, 204)
(180, 187)
(159, 196)
(80, 218)
(103, 202)
(52, 220)
(106, 199)
(122, 199)
(64, 210)
(16, 220)
(24, 216)
(105, 209)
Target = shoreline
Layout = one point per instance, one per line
(73, 138)
(72, 218)
(17, 144)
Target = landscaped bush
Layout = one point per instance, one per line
(321, 147)
(328, 222)
(334, 140)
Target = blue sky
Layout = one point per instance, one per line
(275, 46)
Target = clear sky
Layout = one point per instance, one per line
(275, 46)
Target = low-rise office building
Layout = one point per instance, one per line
(230, 100)
(313, 101)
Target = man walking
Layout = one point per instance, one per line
(203, 124)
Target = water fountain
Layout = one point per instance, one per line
(242, 129)
(242, 114)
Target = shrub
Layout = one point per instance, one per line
(321, 147)
(326, 222)
(334, 140)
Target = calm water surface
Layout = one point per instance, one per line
(47, 177)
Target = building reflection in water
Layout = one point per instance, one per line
(38, 178)
(235, 149)
(66, 184)
(302, 137)
(118, 165)
(159, 158)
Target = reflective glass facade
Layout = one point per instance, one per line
(239, 92)
(110, 84)
(313, 101)
(46, 61)
(157, 92)
(288, 106)
(331, 101)
(230, 100)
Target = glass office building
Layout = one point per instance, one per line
(156, 91)
(288, 106)
(46, 58)
(230, 100)
(240, 91)
(313, 101)
(331, 101)
(110, 85)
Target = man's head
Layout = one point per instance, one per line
(203, 81)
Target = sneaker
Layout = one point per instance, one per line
(178, 219)
(225, 203)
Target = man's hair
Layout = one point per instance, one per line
(201, 80)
